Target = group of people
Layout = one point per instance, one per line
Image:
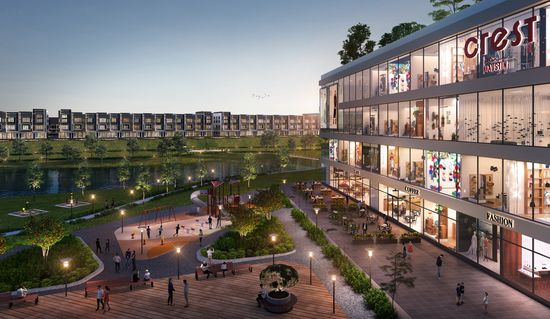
(171, 291)
(102, 297)
(408, 249)
(98, 249)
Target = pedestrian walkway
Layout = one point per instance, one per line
(432, 297)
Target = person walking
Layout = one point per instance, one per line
(410, 249)
(107, 245)
(457, 289)
(170, 292)
(365, 228)
(486, 302)
(97, 246)
(210, 253)
(106, 298)
(128, 256)
(209, 221)
(117, 261)
(200, 237)
(160, 231)
(219, 220)
(177, 230)
(148, 232)
(134, 261)
(439, 264)
(262, 295)
(99, 298)
(404, 251)
(186, 292)
(462, 293)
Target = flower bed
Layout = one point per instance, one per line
(376, 238)
(376, 299)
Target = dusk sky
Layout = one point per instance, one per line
(180, 56)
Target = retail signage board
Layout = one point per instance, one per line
(500, 220)
(411, 190)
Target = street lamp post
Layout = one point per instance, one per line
(141, 231)
(310, 266)
(249, 199)
(122, 220)
(316, 209)
(273, 240)
(71, 201)
(131, 195)
(284, 181)
(333, 294)
(158, 185)
(370, 266)
(92, 198)
(65, 264)
(178, 251)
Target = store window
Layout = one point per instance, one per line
(393, 76)
(374, 87)
(346, 121)
(466, 67)
(415, 167)
(417, 119)
(393, 120)
(366, 120)
(371, 154)
(404, 159)
(383, 118)
(340, 118)
(541, 267)
(491, 62)
(346, 89)
(343, 151)
(447, 227)
(384, 160)
(404, 72)
(393, 161)
(404, 119)
(358, 86)
(382, 79)
(373, 120)
(431, 66)
(340, 90)
(468, 176)
(333, 150)
(366, 83)
(489, 182)
(414, 216)
(525, 55)
(449, 174)
(333, 107)
(447, 114)
(517, 262)
(365, 198)
(447, 61)
(539, 186)
(384, 206)
(432, 170)
(358, 120)
(352, 153)
(490, 117)
(432, 119)
(431, 219)
(352, 87)
(417, 69)
(542, 115)
(516, 194)
(467, 117)
(518, 116)
(323, 110)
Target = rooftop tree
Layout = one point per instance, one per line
(444, 8)
(399, 31)
(357, 44)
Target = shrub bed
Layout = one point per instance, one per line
(376, 299)
(256, 243)
(28, 267)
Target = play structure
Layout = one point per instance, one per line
(218, 195)
(162, 214)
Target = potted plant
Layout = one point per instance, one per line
(362, 239)
(385, 238)
(413, 237)
(279, 277)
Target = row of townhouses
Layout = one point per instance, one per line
(36, 124)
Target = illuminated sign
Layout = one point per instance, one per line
(501, 220)
(411, 190)
(498, 39)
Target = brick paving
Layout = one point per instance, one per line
(432, 297)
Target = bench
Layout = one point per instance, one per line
(12, 299)
(280, 308)
(213, 269)
(217, 268)
(91, 285)
(235, 267)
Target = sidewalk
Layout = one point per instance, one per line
(432, 297)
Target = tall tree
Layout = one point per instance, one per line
(169, 172)
(308, 140)
(19, 147)
(444, 8)
(202, 172)
(132, 146)
(357, 44)
(35, 178)
(397, 269)
(46, 149)
(82, 177)
(399, 31)
(100, 151)
(70, 153)
(90, 143)
(283, 157)
(269, 139)
(249, 170)
(291, 144)
(4, 152)
(244, 221)
(164, 147)
(179, 143)
(123, 172)
(44, 232)
(143, 183)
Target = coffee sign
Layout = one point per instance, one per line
(500, 220)
(411, 190)
(498, 39)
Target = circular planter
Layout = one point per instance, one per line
(278, 297)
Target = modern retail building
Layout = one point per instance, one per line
(447, 131)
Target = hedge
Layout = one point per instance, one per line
(375, 298)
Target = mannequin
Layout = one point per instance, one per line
(473, 245)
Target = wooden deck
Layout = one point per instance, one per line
(229, 297)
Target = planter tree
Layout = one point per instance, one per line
(397, 270)
(123, 172)
(35, 178)
(267, 201)
(249, 171)
(244, 221)
(143, 183)
(46, 149)
(44, 232)
(279, 277)
(82, 178)
(202, 171)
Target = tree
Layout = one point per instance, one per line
(3, 245)
(244, 221)
(397, 271)
(164, 147)
(169, 172)
(283, 157)
(143, 183)
(357, 44)
(132, 146)
(267, 201)
(202, 172)
(70, 153)
(291, 144)
(82, 178)
(399, 31)
(4, 152)
(90, 143)
(269, 139)
(19, 147)
(100, 151)
(444, 8)
(44, 232)
(308, 140)
(179, 143)
(249, 170)
(35, 178)
(123, 172)
(46, 149)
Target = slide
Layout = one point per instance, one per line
(195, 197)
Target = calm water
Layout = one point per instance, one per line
(60, 180)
